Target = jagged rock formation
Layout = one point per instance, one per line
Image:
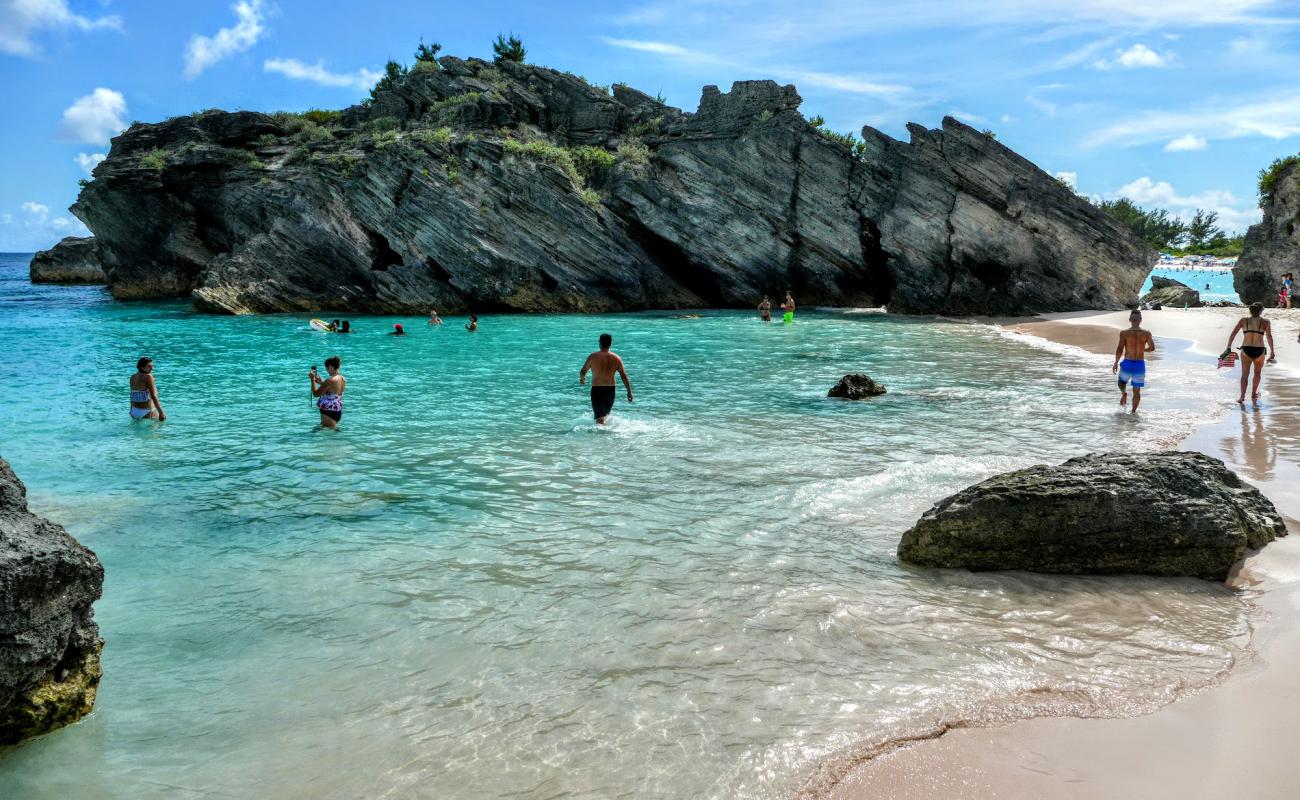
(856, 386)
(1166, 513)
(1272, 245)
(513, 187)
(75, 259)
(49, 643)
(1172, 293)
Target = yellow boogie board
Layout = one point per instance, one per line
(320, 325)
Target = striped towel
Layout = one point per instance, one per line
(1227, 359)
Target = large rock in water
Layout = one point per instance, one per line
(516, 187)
(1149, 513)
(49, 643)
(856, 386)
(75, 259)
(1169, 292)
(1272, 245)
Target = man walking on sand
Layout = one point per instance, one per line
(604, 365)
(1134, 344)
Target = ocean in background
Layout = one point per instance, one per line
(1219, 281)
(471, 591)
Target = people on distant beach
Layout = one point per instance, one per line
(787, 308)
(346, 327)
(1284, 294)
(765, 310)
(1131, 360)
(144, 392)
(434, 319)
(1255, 330)
(472, 325)
(604, 365)
(329, 392)
(398, 330)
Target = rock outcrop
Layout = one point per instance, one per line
(1151, 513)
(477, 186)
(49, 643)
(856, 386)
(1272, 245)
(75, 259)
(1169, 292)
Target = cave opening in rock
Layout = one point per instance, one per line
(879, 280)
(382, 254)
(675, 263)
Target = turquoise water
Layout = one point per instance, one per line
(470, 591)
(1219, 282)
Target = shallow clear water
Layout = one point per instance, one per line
(1213, 284)
(470, 591)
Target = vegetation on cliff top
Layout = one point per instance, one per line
(1269, 175)
(1164, 231)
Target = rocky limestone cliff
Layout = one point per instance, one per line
(49, 643)
(514, 187)
(75, 259)
(1272, 245)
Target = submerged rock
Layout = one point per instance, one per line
(49, 643)
(1273, 244)
(75, 259)
(473, 185)
(1164, 513)
(1169, 292)
(856, 386)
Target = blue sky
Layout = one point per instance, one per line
(1176, 104)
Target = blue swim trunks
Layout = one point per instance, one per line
(1133, 370)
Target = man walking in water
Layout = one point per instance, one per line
(1134, 344)
(604, 365)
(787, 308)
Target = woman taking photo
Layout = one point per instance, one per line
(144, 392)
(329, 392)
(1254, 331)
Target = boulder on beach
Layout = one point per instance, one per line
(1273, 244)
(75, 259)
(1169, 292)
(1170, 513)
(49, 642)
(856, 386)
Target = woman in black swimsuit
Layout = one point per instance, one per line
(1254, 331)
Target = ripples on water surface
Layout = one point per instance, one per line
(468, 591)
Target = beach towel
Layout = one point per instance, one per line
(1227, 358)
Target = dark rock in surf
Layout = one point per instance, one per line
(49, 642)
(1169, 292)
(1167, 513)
(856, 386)
(73, 260)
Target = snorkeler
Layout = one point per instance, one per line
(144, 392)
(604, 365)
(329, 392)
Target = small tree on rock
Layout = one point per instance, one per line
(394, 74)
(427, 52)
(511, 49)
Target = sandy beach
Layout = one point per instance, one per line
(1233, 738)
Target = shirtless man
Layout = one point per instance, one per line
(787, 309)
(604, 365)
(1134, 344)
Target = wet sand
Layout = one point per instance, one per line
(1234, 739)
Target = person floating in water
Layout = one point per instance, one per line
(1134, 344)
(397, 330)
(604, 365)
(765, 309)
(787, 308)
(472, 325)
(345, 328)
(1254, 331)
(434, 319)
(329, 392)
(144, 392)
(334, 326)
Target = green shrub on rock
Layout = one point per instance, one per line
(381, 124)
(633, 154)
(590, 198)
(453, 102)
(546, 153)
(1268, 177)
(592, 163)
(155, 159)
(268, 140)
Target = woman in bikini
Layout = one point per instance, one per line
(1254, 331)
(144, 392)
(329, 392)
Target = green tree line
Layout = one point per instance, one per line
(1200, 235)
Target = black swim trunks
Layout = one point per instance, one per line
(334, 415)
(602, 400)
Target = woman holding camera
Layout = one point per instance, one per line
(329, 392)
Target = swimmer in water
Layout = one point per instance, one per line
(1134, 344)
(346, 328)
(787, 308)
(144, 392)
(604, 365)
(334, 326)
(329, 392)
(434, 319)
(765, 309)
(397, 331)
(472, 325)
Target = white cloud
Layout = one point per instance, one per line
(1139, 56)
(1007, 119)
(843, 83)
(1070, 179)
(38, 210)
(1277, 116)
(61, 223)
(1185, 144)
(88, 161)
(1045, 106)
(316, 73)
(95, 118)
(1162, 194)
(5, 219)
(21, 19)
(662, 48)
(204, 51)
